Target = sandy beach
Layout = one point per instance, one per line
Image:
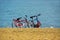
(29, 33)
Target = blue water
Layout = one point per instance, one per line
(49, 10)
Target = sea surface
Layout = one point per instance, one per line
(49, 10)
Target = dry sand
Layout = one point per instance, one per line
(29, 33)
